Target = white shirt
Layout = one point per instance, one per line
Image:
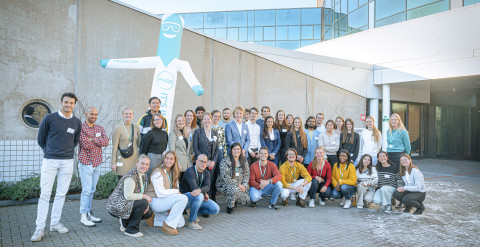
(254, 131)
(239, 127)
(271, 135)
(63, 116)
(160, 190)
(368, 144)
(321, 129)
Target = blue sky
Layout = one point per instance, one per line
(185, 6)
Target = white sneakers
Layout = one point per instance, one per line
(59, 227)
(85, 221)
(135, 235)
(37, 235)
(122, 228)
(321, 203)
(92, 217)
(342, 202)
(311, 204)
(194, 225)
(293, 197)
(348, 203)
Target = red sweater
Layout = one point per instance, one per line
(326, 174)
(271, 173)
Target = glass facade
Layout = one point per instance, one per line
(470, 2)
(295, 28)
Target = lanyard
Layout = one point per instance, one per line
(169, 180)
(321, 171)
(294, 171)
(129, 139)
(341, 174)
(393, 135)
(199, 182)
(144, 185)
(262, 173)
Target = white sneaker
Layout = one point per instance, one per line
(92, 217)
(122, 228)
(37, 235)
(342, 202)
(85, 221)
(194, 225)
(360, 206)
(293, 197)
(321, 203)
(135, 235)
(59, 227)
(348, 203)
(311, 204)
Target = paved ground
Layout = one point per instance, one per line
(452, 218)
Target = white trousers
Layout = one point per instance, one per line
(287, 192)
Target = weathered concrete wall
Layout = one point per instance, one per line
(38, 47)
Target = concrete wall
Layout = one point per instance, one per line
(38, 62)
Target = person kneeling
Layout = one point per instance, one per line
(233, 178)
(195, 185)
(367, 179)
(291, 171)
(167, 201)
(321, 173)
(265, 180)
(414, 192)
(127, 200)
(344, 179)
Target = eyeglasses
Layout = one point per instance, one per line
(202, 161)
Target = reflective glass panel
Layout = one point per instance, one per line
(237, 19)
(265, 18)
(232, 33)
(308, 42)
(307, 32)
(415, 3)
(194, 20)
(352, 5)
(428, 9)
(250, 34)
(362, 2)
(327, 4)
(221, 33)
(209, 31)
(317, 32)
(470, 2)
(251, 18)
(215, 19)
(269, 33)
(242, 34)
(311, 16)
(328, 34)
(328, 17)
(293, 32)
(282, 33)
(344, 9)
(288, 16)
(358, 18)
(385, 8)
(390, 20)
(33, 113)
(290, 45)
(258, 33)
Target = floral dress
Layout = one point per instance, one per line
(230, 178)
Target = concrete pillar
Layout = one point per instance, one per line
(386, 113)
(374, 110)
(455, 4)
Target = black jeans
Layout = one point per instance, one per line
(132, 224)
(332, 159)
(395, 157)
(411, 199)
(252, 160)
(316, 187)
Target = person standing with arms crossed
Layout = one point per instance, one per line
(58, 135)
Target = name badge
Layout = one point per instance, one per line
(284, 130)
(119, 164)
(214, 138)
(316, 137)
(180, 137)
(70, 130)
(333, 143)
(245, 132)
(294, 180)
(237, 174)
(387, 176)
(390, 146)
(98, 134)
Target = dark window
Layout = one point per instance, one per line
(34, 112)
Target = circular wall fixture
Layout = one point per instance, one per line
(34, 111)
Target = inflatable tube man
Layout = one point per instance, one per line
(166, 64)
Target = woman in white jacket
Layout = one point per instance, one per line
(330, 141)
(167, 201)
(367, 179)
(370, 140)
(413, 193)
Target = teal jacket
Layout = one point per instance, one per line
(398, 141)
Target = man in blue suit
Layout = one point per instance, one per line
(237, 131)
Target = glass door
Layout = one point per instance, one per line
(413, 118)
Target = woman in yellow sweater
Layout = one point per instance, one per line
(344, 179)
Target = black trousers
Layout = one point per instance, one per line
(332, 159)
(252, 160)
(316, 187)
(395, 157)
(282, 157)
(132, 224)
(411, 199)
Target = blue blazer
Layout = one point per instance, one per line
(200, 144)
(312, 144)
(232, 136)
(273, 146)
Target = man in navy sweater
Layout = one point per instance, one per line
(58, 135)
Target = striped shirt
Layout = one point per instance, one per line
(388, 176)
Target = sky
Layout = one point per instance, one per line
(186, 6)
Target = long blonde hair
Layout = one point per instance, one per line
(303, 136)
(400, 123)
(175, 170)
(315, 162)
(376, 132)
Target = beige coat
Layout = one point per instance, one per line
(177, 144)
(120, 138)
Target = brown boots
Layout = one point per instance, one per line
(169, 230)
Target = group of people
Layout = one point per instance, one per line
(167, 172)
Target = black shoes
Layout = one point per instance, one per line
(419, 211)
(253, 204)
(229, 210)
(274, 206)
(407, 209)
(205, 215)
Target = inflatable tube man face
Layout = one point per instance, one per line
(170, 39)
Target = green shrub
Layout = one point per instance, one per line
(106, 184)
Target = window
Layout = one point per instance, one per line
(265, 18)
(221, 33)
(215, 19)
(258, 33)
(232, 33)
(358, 18)
(293, 32)
(290, 45)
(386, 8)
(390, 20)
(428, 9)
(194, 20)
(269, 33)
(307, 32)
(282, 33)
(237, 19)
(242, 34)
(470, 2)
(311, 16)
(288, 17)
(34, 112)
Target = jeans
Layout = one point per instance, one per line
(346, 191)
(132, 224)
(411, 199)
(270, 189)
(197, 205)
(394, 157)
(332, 159)
(286, 192)
(176, 203)
(316, 187)
(383, 196)
(63, 169)
(364, 194)
(89, 177)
